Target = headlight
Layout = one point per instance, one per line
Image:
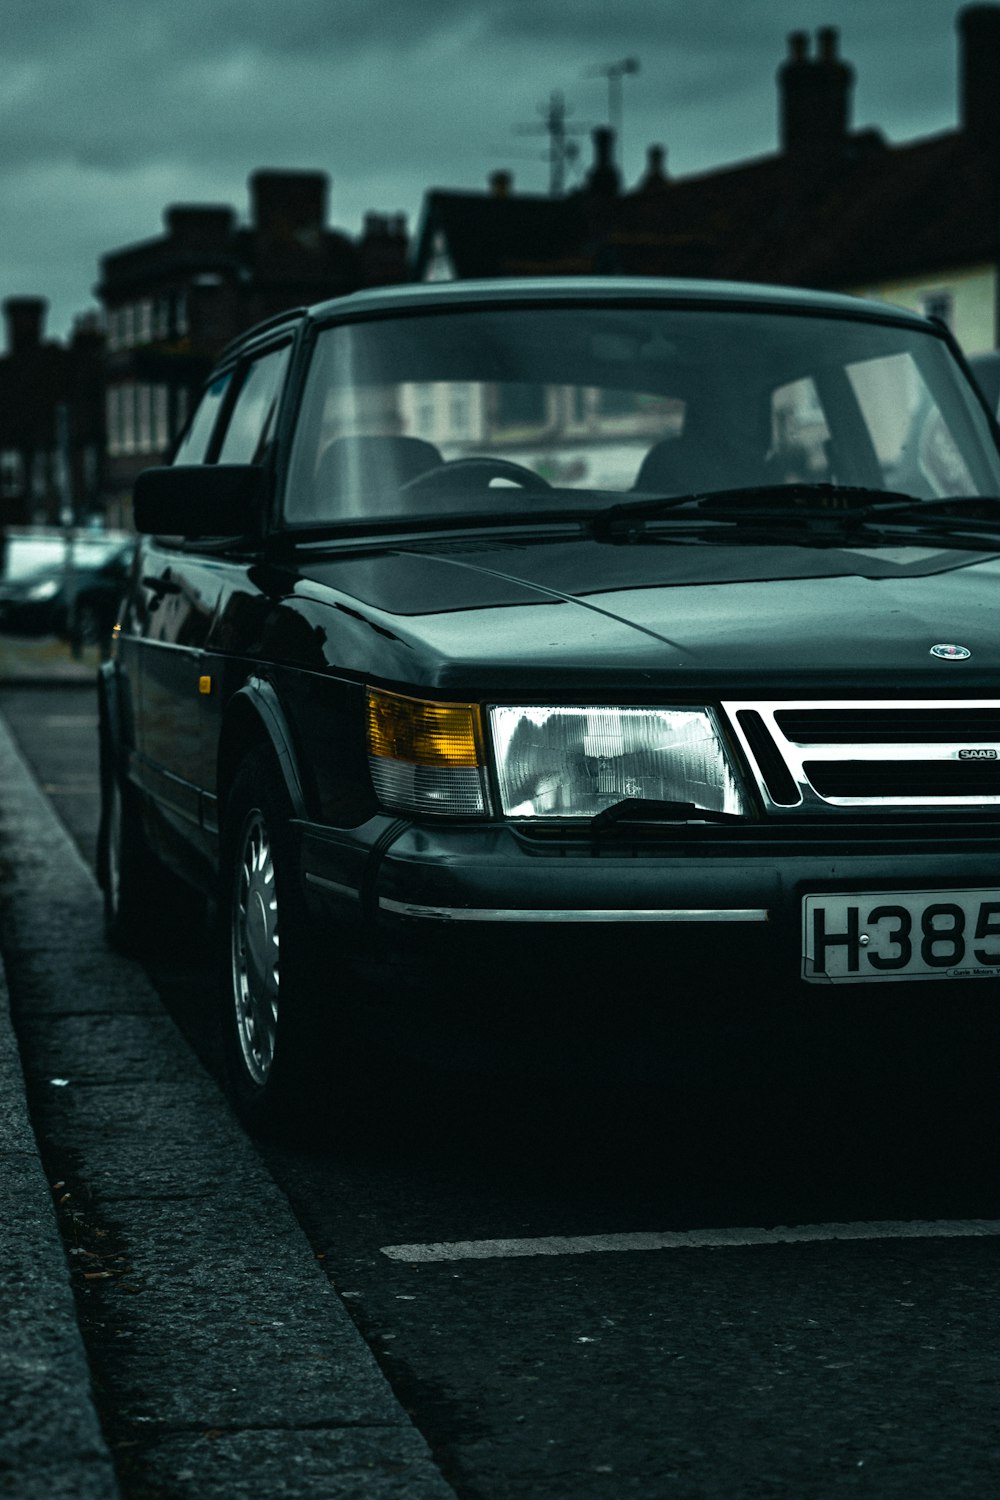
(575, 762)
(426, 757)
(39, 592)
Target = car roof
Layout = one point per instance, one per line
(552, 290)
(603, 289)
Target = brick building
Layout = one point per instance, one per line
(173, 303)
(836, 208)
(51, 419)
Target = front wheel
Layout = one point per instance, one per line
(278, 1062)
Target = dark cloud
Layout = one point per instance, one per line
(108, 113)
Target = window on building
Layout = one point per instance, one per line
(11, 473)
(120, 415)
(182, 405)
(251, 422)
(126, 393)
(111, 419)
(161, 417)
(144, 331)
(144, 418)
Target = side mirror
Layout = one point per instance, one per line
(198, 500)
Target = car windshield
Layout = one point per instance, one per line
(527, 408)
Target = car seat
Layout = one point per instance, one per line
(365, 472)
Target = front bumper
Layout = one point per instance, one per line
(698, 886)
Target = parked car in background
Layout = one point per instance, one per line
(68, 584)
(557, 655)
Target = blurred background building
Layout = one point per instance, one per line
(831, 207)
(172, 304)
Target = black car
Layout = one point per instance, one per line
(565, 652)
(64, 583)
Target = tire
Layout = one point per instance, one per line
(275, 1054)
(88, 625)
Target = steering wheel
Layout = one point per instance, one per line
(453, 475)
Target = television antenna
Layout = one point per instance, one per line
(614, 72)
(563, 150)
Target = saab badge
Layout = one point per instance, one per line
(979, 752)
(951, 653)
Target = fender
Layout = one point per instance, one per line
(109, 709)
(254, 713)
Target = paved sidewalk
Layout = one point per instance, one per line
(227, 1364)
(25, 659)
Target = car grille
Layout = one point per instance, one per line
(814, 758)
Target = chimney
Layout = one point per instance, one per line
(656, 170)
(501, 184)
(814, 96)
(199, 227)
(24, 317)
(286, 203)
(979, 90)
(603, 179)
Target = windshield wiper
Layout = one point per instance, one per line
(843, 500)
(648, 810)
(822, 508)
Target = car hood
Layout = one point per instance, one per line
(481, 611)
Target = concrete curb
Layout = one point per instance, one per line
(224, 1361)
(50, 1438)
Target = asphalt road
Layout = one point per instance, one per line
(583, 1292)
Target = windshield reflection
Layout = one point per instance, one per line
(558, 406)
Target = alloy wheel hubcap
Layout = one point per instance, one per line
(255, 949)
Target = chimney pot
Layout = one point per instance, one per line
(501, 184)
(814, 97)
(282, 201)
(979, 67)
(826, 41)
(25, 317)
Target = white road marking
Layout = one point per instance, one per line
(699, 1239)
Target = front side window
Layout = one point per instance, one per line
(251, 422)
(194, 444)
(509, 407)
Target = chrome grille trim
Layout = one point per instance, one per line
(945, 748)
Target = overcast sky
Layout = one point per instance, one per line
(109, 112)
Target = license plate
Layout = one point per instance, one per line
(857, 937)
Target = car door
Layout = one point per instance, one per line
(181, 585)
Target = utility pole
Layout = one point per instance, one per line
(614, 73)
(562, 150)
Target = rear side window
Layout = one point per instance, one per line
(251, 422)
(194, 444)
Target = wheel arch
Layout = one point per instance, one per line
(255, 716)
(109, 717)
